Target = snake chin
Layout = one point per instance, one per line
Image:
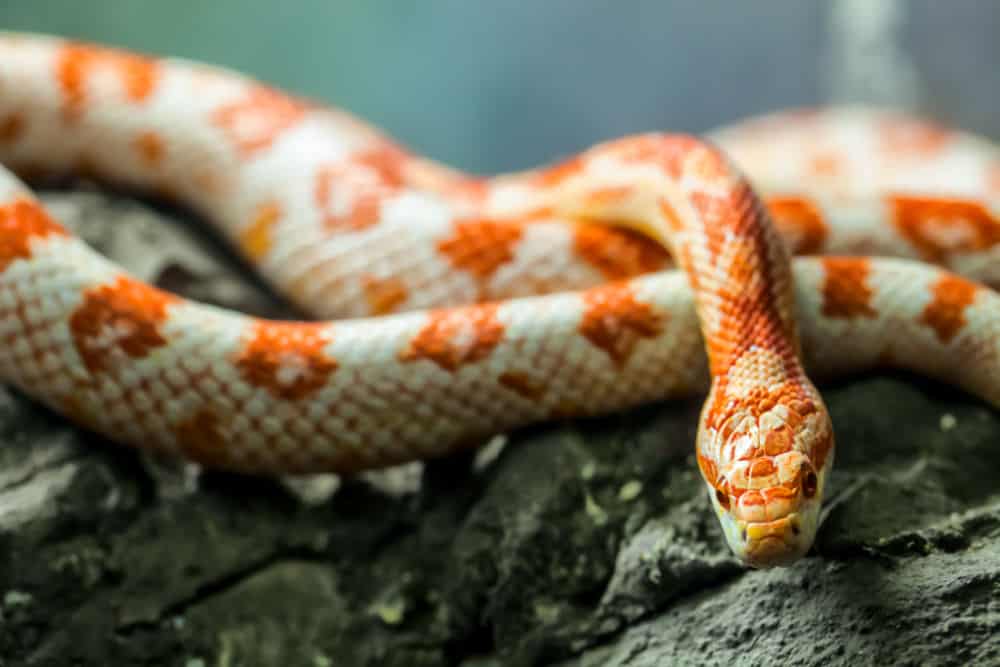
(775, 543)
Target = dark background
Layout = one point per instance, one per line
(492, 86)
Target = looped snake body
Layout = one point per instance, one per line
(574, 310)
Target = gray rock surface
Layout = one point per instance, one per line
(586, 543)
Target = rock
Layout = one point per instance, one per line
(588, 543)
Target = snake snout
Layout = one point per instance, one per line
(776, 542)
(774, 525)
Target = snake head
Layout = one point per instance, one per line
(765, 461)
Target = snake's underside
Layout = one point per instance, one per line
(570, 306)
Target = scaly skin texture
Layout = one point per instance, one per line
(348, 224)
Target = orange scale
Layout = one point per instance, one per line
(801, 220)
(736, 492)
(523, 384)
(777, 493)
(778, 441)
(762, 467)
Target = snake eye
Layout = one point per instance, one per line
(809, 482)
(723, 498)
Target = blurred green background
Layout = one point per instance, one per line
(492, 86)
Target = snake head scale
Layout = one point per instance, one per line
(765, 461)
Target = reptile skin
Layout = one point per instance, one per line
(574, 310)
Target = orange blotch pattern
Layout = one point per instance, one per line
(670, 153)
(908, 137)
(286, 358)
(825, 165)
(258, 239)
(125, 315)
(480, 246)
(256, 121)
(201, 440)
(455, 337)
(846, 292)
(387, 160)
(12, 128)
(20, 222)
(938, 227)
(618, 253)
(350, 193)
(365, 209)
(614, 320)
(76, 63)
(800, 223)
(150, 147)
(384, 295)
(951, 295)
(523, 384)
(561, 172)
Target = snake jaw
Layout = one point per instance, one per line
(778, 542)
(765, 475)
(775, 542)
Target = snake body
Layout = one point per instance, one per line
(573, 309)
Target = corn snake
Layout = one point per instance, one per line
(347, 224)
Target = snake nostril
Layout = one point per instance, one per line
(723, 498)
(795, 528)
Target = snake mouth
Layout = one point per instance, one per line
(773, 543)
